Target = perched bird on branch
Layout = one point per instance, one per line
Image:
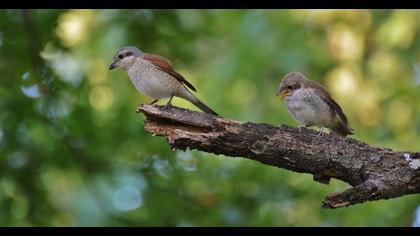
(154, 76)
(311, 105)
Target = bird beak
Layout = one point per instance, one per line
(282, 93)
(112, 66)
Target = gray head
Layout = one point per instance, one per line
(290, 83)
(124, 56)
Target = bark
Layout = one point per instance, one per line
(374, 173)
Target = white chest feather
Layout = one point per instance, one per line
(151, 81)
(309, 109)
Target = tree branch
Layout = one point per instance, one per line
(374, 173)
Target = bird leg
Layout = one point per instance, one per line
(154, 102)
(169, 104)
(138, 109)
(300, 127)
(321, 131)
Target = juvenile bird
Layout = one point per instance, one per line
(154, 76)
(311, 105)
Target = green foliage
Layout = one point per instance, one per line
(74, 152)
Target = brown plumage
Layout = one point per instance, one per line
(166, 66)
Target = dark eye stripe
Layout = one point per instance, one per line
(294, 86)
(122, 55)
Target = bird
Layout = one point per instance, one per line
(311, 105)
(154, 76)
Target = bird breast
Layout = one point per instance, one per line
(151, 81)
(309, 109)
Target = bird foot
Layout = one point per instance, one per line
(138, 109)
(321, 132)
(300, 128)
(167, 107)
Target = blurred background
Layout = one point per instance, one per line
(73, 151)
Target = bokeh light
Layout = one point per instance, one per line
(65, 65)
(127, 198)
(344, 82)
(101, 97)
(345, 42)
(384, 65)
(398, 31)
(399, 115)
(74, 26)
(368, 111)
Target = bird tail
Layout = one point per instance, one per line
(194, 100)
(342, 129)
(204, 107)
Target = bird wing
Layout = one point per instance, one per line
(326, 97)
(165, 65)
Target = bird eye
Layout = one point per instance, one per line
(120, 56)
(290, 87)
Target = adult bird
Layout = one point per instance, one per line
(154, 76)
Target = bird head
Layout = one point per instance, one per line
(124, 57)
(290, 84)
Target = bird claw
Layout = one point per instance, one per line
(167, 107)
(321, 132)
(138, 109)
(168, 104)
(300, 128)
